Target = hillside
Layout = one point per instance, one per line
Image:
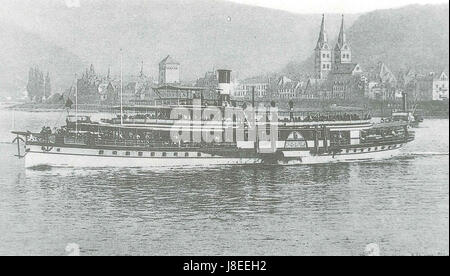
(203, 34)
(20, 50)
(200, 34)
(409, 37)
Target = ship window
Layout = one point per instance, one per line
(152, 154)
(164, 154)
(58, 149)
(101, 152)
(127, 153)
(175, 154)
(347, 151)
(362, 150)
(389, 147)
(199, 154)
(114, 152)
(376, 148)
(186, 154)
(383, 147)
(369, 149)
(141, 153)
(354, 150)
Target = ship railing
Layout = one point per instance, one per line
(313, 123)
(75, 141)
(371, 141)
(139, 121)
(153, 144)
(385, 139)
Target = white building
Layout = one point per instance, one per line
(169, 71)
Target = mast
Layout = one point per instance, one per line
(121, 87)
(76, 106)
(43, 96)
(13, 119)
(253, 96)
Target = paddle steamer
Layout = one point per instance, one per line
(143, 136)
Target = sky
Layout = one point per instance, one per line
(334, 6)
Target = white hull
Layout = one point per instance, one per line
(76, 157)
(343, 158)
(35, 159)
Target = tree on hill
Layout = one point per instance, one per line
(38, 88)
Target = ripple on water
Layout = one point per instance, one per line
(400, 204)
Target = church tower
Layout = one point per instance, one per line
(342, 51)
(323, 58)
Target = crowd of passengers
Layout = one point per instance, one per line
(144, 116)
(309, 118)
(329, 118)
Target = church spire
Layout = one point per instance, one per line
(322, 35)
(341, 37)
(142, 68)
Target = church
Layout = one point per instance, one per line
(336, 76)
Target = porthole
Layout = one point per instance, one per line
(127, 153)
(140, 154)
(152, 154)
(114, 152)
(58, 150)
(186, 154)
(199, 154)
(164, 154)
(101, 152)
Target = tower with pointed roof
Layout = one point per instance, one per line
(169, 71)
(342, 50)
(322, 58)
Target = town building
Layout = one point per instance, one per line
(432, 87)
(243, 89)
(169, 71)
(383, 84)
(336, 76)
(286, 89)
(183, 95)
(323, 54)
(95, 89)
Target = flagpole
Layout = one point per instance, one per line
(76, 106)
(121, 87)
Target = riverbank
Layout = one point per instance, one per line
(430, 109)
(42, 107)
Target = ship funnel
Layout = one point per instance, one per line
(225, 88)
(224, 77)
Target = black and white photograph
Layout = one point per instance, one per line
(220, 128)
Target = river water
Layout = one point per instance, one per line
(400, 204)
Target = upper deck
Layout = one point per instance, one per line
(152, 116)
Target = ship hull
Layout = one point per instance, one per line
(76, 157)
(342, 158)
